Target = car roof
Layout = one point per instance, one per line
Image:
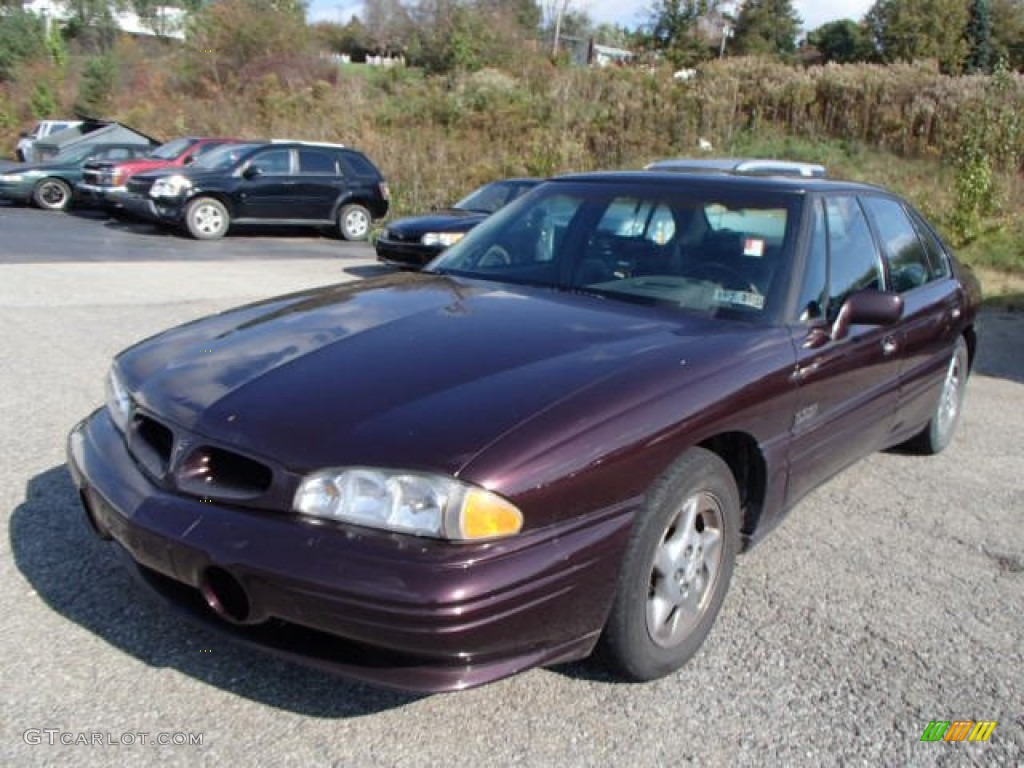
(740, 165)
(711, 179)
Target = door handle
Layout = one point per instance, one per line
(889, 345)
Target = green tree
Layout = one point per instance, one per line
(767, 26)
(979, 37)
(913, 30)
(673, 30)
(22, 38)
(97, 85)
(842, 41)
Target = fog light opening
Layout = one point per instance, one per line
(225, 595)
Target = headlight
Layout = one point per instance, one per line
(408, 502)
(170, 186)
(11, 177)
(443, 239)
(119, 402)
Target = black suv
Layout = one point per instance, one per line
(266, 183)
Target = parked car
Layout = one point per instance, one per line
(25, 148)
(281, 183)
(103, 181)
(88, 132)
(557, 437)
(415, 241)
(51, 185)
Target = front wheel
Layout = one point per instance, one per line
(942, 426)
(207, 219)
(676, 569)
(354, 222)
(52, 195)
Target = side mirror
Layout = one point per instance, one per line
(24, 135)
(861, 308)
(252, 172)
(189, 160)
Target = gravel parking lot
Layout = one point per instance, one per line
(890, 598)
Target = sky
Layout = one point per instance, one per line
(813, 12)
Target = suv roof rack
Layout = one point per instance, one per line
(307, 143)
(740, 166)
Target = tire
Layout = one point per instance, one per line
(206, 218)
(676, 569)
(354, 222)
(939, 431)
(52, 195)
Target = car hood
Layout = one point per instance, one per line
(42, 167)
(409, 370)
(134, 165)
(450, 220)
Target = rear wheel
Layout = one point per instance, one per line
(942, 426)
(52, 195)
(207, 219)
(354, 222)
(676, 569)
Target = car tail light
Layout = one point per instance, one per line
(384, 191)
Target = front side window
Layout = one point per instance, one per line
(854, 263)
(909, 266)
(275, 162)
(634, 243)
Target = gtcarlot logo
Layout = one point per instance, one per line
(56, 736)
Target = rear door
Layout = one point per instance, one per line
(919, 271)
(847, 389)
(319, 182)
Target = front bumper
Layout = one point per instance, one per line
(97, 194)
(394, 610)
(403, 254)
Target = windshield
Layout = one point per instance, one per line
(171, 149)
(491, 197)
(715, 252)
(223, 157)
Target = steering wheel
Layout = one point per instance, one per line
(727, 277)
(495, 256)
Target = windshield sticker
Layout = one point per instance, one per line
(753, 246)
(744, 298)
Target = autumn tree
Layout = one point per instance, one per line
(913, 30)
(1008, 32)
(767, 27)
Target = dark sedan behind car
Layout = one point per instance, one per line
(415, 241)
(557, 438)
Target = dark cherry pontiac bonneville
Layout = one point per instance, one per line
(554, 440)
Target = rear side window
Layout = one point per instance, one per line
(317, 162)
(932, 245)
(909, 265)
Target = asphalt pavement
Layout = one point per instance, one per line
(892, 597)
